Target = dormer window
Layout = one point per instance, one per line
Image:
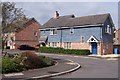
(71, 30)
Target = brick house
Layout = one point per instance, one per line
(28, 35)
(117, 39)
(94, 32)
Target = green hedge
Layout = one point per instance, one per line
(64, 51)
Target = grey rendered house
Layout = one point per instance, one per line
(93, 32)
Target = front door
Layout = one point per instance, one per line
(94, 47)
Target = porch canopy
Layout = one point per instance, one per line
(43, 39)
(93, 39)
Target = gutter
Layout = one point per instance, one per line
(74, 26)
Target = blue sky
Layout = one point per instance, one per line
(43, 11)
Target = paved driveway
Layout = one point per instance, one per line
(91, 67)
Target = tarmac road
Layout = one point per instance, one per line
(90, 67)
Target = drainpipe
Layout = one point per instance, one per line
(61, 37)
(101, 40)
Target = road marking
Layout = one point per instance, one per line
(13, 74)
(71, 63)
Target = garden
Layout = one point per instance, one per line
(29, 60)
(24, 61)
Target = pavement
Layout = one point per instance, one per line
(61, 67)
(108, 56)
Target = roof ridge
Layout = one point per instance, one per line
(93, 15)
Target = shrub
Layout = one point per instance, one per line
(64, 51)
(31, 60)
(46, 61)
(10, 65)
(24, 61)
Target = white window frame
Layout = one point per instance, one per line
(54, 44)
(108, 29)
(67, 45)
(52, 32)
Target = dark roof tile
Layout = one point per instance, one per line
(71, 20)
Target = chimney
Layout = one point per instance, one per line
(56, 14)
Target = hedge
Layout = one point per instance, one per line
(64, 51)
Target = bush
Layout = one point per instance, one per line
(46, 61)
(10, 65)
(24, 61)
(64, 51)
(30, 60)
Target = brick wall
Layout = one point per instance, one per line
(117, 37)
(102, 48)
(106, 48)
(26, 35)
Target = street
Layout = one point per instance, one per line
(91, 67)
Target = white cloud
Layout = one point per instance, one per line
(43, 11)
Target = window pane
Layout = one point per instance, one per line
(54, 44)
(43, 32)
(51, 32)
(35, 33)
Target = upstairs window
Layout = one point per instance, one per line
(108, 29)
(53, 32)
(44, 32)
(71, 30)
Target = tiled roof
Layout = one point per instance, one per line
(27, 23)
(71, 20)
